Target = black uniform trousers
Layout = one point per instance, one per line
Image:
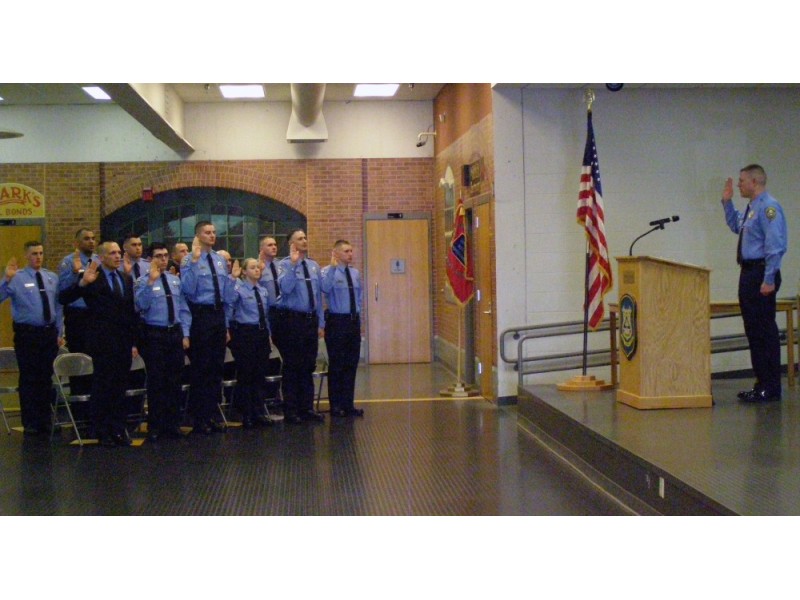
(296, 336)
(760, 326)
(76, 326)
(250, 347)
(163, 354)
(111, 362)
(343, 340)
(207, 355)
(36, 349)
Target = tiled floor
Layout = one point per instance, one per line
(414, 453)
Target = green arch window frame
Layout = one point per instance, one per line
(241, 219)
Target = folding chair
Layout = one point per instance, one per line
(227, 384)
(8, 365)
(138, 413)
(321, 370)
(68, 365)
(276, 380)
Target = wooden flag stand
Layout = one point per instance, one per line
(460, 389)
(584, 382)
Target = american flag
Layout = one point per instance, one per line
(591, 215)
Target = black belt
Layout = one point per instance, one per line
(172, 327)
(293, 314)
(247, 326)
(204, 308)
(26, 327)
(758, 262)
(329, 316)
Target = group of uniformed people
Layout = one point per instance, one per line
(183, 307)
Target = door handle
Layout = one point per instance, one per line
(487, 312)
(376, 292)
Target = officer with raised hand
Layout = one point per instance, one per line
(38, 321)
(298, 325)
(207, 287)
(166, 323)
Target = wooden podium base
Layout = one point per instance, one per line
(460, 390)
(584, 383)
(651, 402)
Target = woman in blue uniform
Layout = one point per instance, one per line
(249, 329)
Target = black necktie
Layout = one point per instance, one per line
(217, 297)
(741, 234)
(136, 270)
(117, 285)
(275, 279)
(262, 317)
(352, 292)
(45, 302)
(308, 286)
(168, 293)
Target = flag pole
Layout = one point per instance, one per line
(585, 382)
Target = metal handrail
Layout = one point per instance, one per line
(549, 328)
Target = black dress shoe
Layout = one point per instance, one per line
(339, 412)
(292, 419)
(203, 428)
(745, 393)
(310, 415)
(355, 412)
(122, 439)
(264, 421)
(175, 433)
(761, 396)
(218, 427)
(153, 435)
(107, 441)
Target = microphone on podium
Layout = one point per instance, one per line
(657, 224)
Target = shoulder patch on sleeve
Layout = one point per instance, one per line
(771, 213)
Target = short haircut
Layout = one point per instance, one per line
(757, 172)
(156, 246)
(130, 236)
(200, 225)
(175, 246)
(32, 244)
(102, 249)
(80, 231)
(340, 243)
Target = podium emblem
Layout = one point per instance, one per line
(627, 329)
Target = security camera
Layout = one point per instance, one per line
(421, 143)
(422, 138)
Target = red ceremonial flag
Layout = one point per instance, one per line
(591, 216)
(459, 265)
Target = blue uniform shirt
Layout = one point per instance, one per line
(26, 301)
(66, 278)
(764, 236)
(151, 302)
(196, 282)
(144, 268)
(267, 281)
(294, 292)
(335, 288)
(243, 307)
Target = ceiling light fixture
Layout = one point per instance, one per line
(96, 92)
(237, 92)
(376, 90)
(5, 134)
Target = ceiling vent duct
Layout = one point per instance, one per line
(307, 123)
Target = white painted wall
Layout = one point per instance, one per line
(662, 152)
(217, 131)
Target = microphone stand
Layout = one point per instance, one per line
(630, 250)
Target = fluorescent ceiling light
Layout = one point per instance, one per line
(242, 91)
(376, 89)
(96, 92)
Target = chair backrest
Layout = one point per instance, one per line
(322, 356)
(228, 355)
(72, 364)
(8, 359)
(137, 364)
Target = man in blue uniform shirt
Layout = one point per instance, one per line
(206, 285)
(762, 243)
(76, 317)
(298, 324)
(132, 262)
(341, 285)
(166, 322)
(38, 321)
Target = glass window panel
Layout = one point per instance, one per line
(235, 222)
(235, 247)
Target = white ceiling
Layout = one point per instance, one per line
(27, 94)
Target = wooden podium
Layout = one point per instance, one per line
(665, 334)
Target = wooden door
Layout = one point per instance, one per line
(12, 240)
(398, 298)
(484, 311)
